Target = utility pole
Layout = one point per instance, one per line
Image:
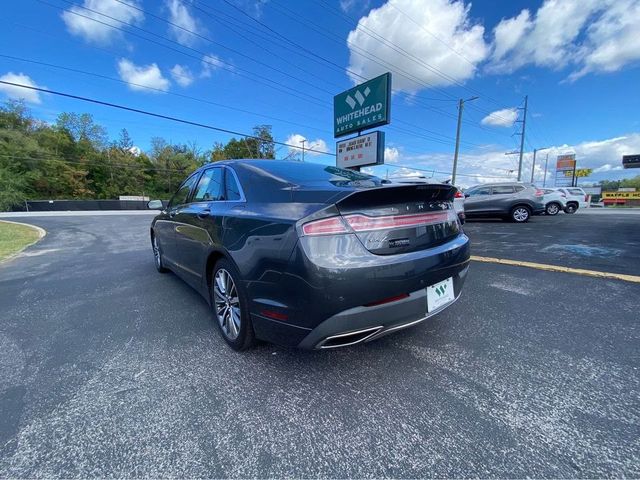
(302, 141)
(524, 124)
(533, 167)
(546, 163)
(455, 154)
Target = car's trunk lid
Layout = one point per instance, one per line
(401, 218)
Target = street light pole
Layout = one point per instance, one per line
(546, 163)
(533, 167)
(461, 103)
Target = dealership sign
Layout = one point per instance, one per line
(631, 161)
(361, 151)
(362, 107)
(565, 170)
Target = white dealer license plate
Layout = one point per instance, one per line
(440, 294)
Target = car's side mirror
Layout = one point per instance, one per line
(155, 205)
(466, 195)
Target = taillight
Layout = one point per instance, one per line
(458, 194)
(539, 193)
(363, 223)
(326, 226)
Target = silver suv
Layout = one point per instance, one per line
(512, 201)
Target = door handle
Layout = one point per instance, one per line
(204, 213)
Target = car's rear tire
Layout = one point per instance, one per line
(157, 255)
(230, 306)
(571, 208)
(520, 214)
(552, 208)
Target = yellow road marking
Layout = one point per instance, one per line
(558, 268)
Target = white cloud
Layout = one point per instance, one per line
(491, 165)
(501, 118)
(210, 63)
(587, 35)
(142, 75)
(84, 26)
(182, 75)
(391, 155)
(296, 139)
(182, 19)
(18, 93)
(349, 5)
(438, 33)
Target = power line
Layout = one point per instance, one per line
(153, 114)
(232, 69)
(196, 99)
(203, 58)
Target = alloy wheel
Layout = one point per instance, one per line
(227, 304)
(552, 209)
(156, 253)
(520, 214)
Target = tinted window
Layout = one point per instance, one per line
(480, 191)
(576, 191)
(296, 172)
(210, 187)
(546, 190)
(233, 191)
(519, 188)
(502, 190)
(182, 195)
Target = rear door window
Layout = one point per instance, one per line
(211, 186)
(519, 188)
(502, 190)
(576, 191)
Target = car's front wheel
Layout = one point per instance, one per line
(157, 255)
(552, 209)
(520, 214)
(230, 306)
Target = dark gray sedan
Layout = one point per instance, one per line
(310, 255)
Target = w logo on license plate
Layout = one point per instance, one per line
(441, 290)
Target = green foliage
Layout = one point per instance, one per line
(613, 185)
(73, 159)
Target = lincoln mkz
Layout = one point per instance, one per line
(310, 255)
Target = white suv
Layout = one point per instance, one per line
(576, 198)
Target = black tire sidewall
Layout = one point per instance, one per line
(160, 268)
(571, 209)
(246, 337)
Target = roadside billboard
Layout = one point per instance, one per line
(631, 161)
(361, 151)
(362, 107)
(565, 170)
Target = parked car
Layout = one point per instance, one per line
(514, 201)
(576, 198)
(554, 201)
(458, 198)
(310, 255)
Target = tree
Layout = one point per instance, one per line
(261, 145)
(82, 128)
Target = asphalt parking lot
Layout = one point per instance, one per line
(109, 369)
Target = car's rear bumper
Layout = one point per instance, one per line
(363, 324)
(323, 294)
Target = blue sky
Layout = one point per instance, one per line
(577, 60)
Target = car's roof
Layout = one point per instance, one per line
(498, 184)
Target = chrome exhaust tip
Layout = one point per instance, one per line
(349, 338)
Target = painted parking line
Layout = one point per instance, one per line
(558, 268)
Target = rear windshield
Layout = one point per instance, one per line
(301, 173)
(576, 191)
